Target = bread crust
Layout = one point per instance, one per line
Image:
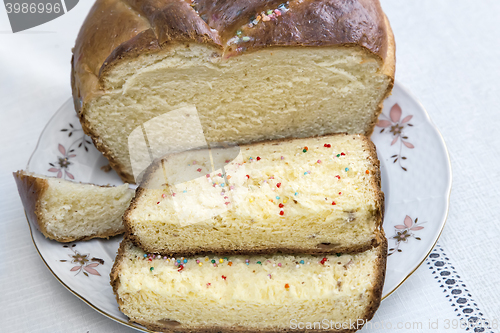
(175, 327)
(118, 30)
(327, 249)
(31, 190)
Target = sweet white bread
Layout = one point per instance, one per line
(312, 195)
(254, 70)
(269, 293)
(66, 211)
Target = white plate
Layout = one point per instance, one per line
(416, 180)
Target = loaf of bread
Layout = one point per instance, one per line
(252, 70)
(66, 211)
(311, 195)
(263, 293)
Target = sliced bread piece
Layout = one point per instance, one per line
(66, 211)
(270, 293)
(255, 70)
(313, 195)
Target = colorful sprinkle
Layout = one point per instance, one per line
(279, 264)
(338, 155)
(164, 195)
(258, 158)
(285, 200)
(200, 264)
(151, 268)
(199, 169)
(322, 262)
(281, 205)
(278, 185)
(282, 157)
(302, 262)
(367, 172)
(342, 154)
(158, 203)
(346, 169)
(224, 277)
(269, 275)
(181, 267)
(338, 176)
(258, 262)
(339, 254)
(230, 263)
(282, 213)
(185, 260)
(145, 256)
(208, 285)
(248, 177)
(327, 145)
(296, 193)
(221, 260)
(333, 203)
(277, 198)
(213, 261)
(319, 161)
(287, 286)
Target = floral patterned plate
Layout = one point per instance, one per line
(416, 180)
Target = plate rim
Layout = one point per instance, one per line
(450, 185)
(442, 226)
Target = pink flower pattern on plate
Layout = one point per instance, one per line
(61, 166)
(83, 262)
(404, 232)
(396, 127)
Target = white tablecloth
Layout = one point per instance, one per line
(448, 55)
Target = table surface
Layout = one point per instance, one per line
(448, 55)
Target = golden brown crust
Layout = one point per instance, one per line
(31, 190)
(389, 69)
(321, 248)
(379, 284)
(307, 23)
(116, 30)
(174, 327)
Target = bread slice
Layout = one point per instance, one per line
(67, 211)
(313, 195)
(263, 293)
(258, 70)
